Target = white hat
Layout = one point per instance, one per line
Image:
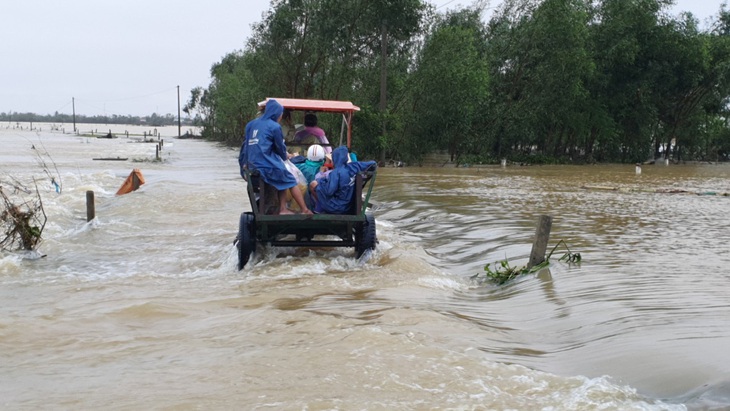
(315, 153)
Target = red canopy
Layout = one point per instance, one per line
(314, 105)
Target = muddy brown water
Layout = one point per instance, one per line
(143, 307)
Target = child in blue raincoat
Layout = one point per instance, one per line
(311, 164)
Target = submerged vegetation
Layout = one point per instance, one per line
(504, 272)
(540, 81)
(22, 216)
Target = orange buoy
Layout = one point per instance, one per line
(133, 181)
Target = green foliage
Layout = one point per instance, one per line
(450, 85)
(473, 159)
(543, 81)
(503, 272)
(536, 159)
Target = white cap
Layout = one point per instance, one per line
(315, 153)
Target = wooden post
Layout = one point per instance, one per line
(73, 107)
(178, 112)
(542, 235)
(90, 206)
(157, 152)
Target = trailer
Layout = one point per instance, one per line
(355, 229)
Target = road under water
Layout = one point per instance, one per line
(143, 306)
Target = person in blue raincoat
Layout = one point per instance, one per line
(333, 193)
(263, 149)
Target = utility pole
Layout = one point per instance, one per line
(383, 78)
(178, 112)
(73, 107)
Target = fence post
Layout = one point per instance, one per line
(90, 206)
(542, 235)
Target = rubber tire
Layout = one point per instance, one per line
(366, 238)
(246, 243)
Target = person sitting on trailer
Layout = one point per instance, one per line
(311, 164)
(326, 167)
(263, 150)
(332, 194)
(312, 130)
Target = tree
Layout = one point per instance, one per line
(450, 86)
(230, 100)
(547, 80)
(323, 49)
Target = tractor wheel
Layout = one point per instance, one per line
(246, 243)
(365, 237)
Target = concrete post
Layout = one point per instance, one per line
(542, 235)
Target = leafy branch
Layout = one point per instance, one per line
(504, 272)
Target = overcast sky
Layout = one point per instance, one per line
(128, 56)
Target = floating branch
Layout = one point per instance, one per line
(504, 272)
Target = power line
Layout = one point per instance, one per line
(445, 4)
(62, 107)
(101, 105)
(135, 97)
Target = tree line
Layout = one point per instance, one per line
(154, 119)
(540, 81)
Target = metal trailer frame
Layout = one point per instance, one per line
(355, 229)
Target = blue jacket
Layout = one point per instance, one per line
(308, 167)
(335, 190)
(263, 148)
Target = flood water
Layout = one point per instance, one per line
(143, 307)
